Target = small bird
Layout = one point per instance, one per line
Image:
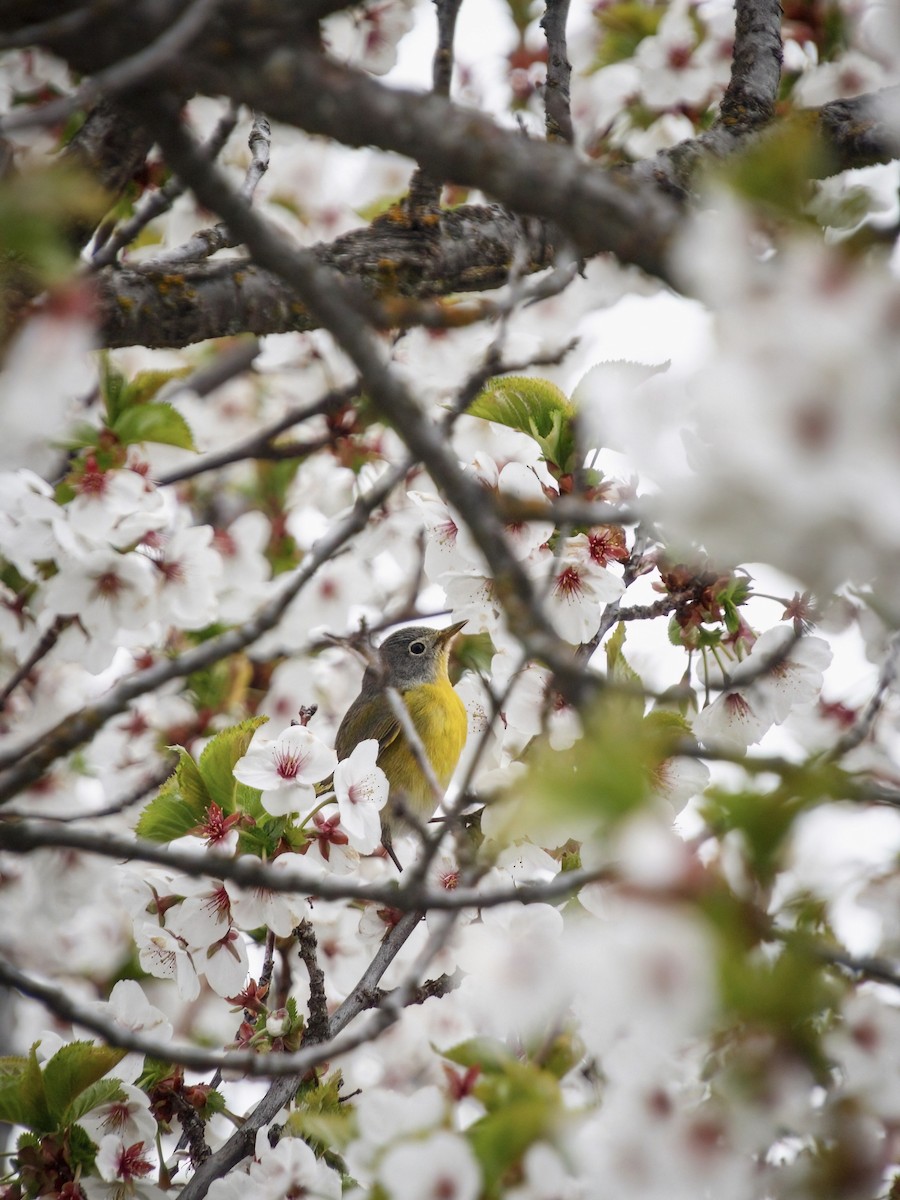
(413, 662)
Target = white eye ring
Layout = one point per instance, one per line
(417, 647)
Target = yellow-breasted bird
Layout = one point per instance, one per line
(413, 662)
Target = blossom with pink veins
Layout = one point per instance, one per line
(189, 574)
(106, 590)
(124, 1170)
(578, 590)
(286, 769)
(362, 790)
(778, 679)
(166, 956)
(282, 912)
(111, 508)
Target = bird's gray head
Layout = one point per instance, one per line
(412, 656)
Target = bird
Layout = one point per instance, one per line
(412, 662)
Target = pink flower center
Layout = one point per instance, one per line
(568, 583)
(289, 765)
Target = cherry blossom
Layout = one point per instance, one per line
(362, 789)
(286, 768)
(129, 1007)
(577, 589)
(439, 1167)
(166, 956)
(290, 1168)
(125, 1170)
(128, 1119)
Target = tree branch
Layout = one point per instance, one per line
(249, 872)
(559, 72)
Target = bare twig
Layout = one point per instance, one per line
(206, 242)
(749, 100)
(317, 1030)
(48, 31)
(864, 724)
(138, 793)
(260, 444)
(154, 204)
(123, 75)
(259, 141)
(41, 650)
(559, 71)
(425, 190)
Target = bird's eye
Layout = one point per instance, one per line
(417, 647)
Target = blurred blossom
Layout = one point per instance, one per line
(780, 676)
(48, 362)
(792, 429)
(439, 1167)
(516, 981)
(367, 35)
(654, 968)
(290, 1169)
(866, 1047)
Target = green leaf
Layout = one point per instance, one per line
(104, 1091)
(12, 1066)
(522, 1100)
(112, 388)
(482, 1052)
(156, 421)
(624, 26)
(778, 177)
(609, 774)
(321, 1117)
(74, 1068)
(502, 1137)
(146, 384)
(218, 759)
(179, 806)
(22, 1098)
(764, 818)
(38, 210)
(533, 406)
(618, 668)
(784, 990)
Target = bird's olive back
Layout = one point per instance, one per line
(407, 659)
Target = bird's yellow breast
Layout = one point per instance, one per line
(439, 718)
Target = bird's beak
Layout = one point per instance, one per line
(448, 634)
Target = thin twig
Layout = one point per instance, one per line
(558, 116)
(123, 75)
(206, 242)
(424, 189)
(62, 26)
(864, 724)
(260, 444)
(42, 649)
(154, 204)
(317, 1030)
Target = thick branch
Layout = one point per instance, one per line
(468, 249)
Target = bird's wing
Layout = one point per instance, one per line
(372, 714)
